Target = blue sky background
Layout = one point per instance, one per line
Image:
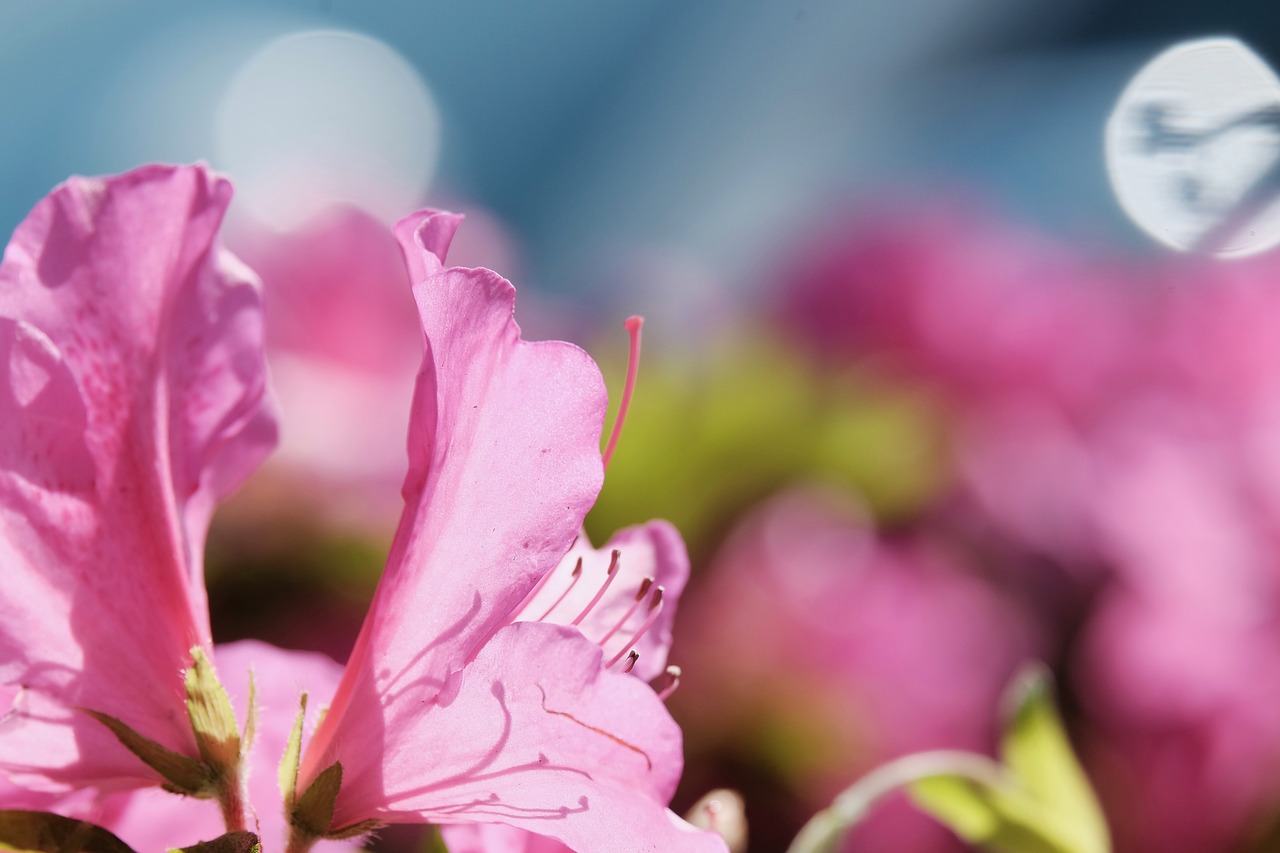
(712, 130)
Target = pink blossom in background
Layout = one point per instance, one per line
(127, 419)
(1121, 422)
(1182, 660)
(342, 337)
(876, 649)
(1022, 339)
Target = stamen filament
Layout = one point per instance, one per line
(610, 575)
(644, 588)
(577, 573)
(667, 683)
(632, 325)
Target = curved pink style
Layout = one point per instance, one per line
(132, 398)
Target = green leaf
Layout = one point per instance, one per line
(997, 818)
(1043, 802)
(1036, 750)
(1038, 801)
(238, 841)
(313, 812)
(825, 832)
(288, 772)
(212, 718)
(251, 716)
(41, 832)
(182, 774)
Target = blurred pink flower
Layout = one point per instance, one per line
(874, 649)
(135, 399)
(341, 337)
(1022, 340)
(1122, 422)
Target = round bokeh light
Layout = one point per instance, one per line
(325, 117)
(1193, 149)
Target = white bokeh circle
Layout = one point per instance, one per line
(323, 117)
(1193, 149)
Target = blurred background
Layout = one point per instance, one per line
(923, 401)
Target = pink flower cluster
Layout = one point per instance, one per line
(489, 683)
(1114, 432)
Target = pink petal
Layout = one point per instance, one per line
(504, 462)
(495, 838)
(135, 398)
(655, 551)
(535, 734)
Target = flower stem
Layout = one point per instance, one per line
(300, 841)
(824, 832)
(231, 800)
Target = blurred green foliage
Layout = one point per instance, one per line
(708, 438)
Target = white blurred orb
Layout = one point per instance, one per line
(1193, 149)
(323, 117)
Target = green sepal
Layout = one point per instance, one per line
(237, 841)
(313, 813)
(288, 772)
(251, 717)
(182, 773)
(42, 832)
(213, 720)
(353, 830)
(1042, 804)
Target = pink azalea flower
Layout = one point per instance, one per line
(135, 399)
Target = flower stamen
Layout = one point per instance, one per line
(655, 608)
(610, 574)
(664, 685)
(640, 594)
(577, 573)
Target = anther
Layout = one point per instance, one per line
(577, 573)
(611, 573)
(633, 325)
(630, 662)
(644, 589)
(655, 608)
